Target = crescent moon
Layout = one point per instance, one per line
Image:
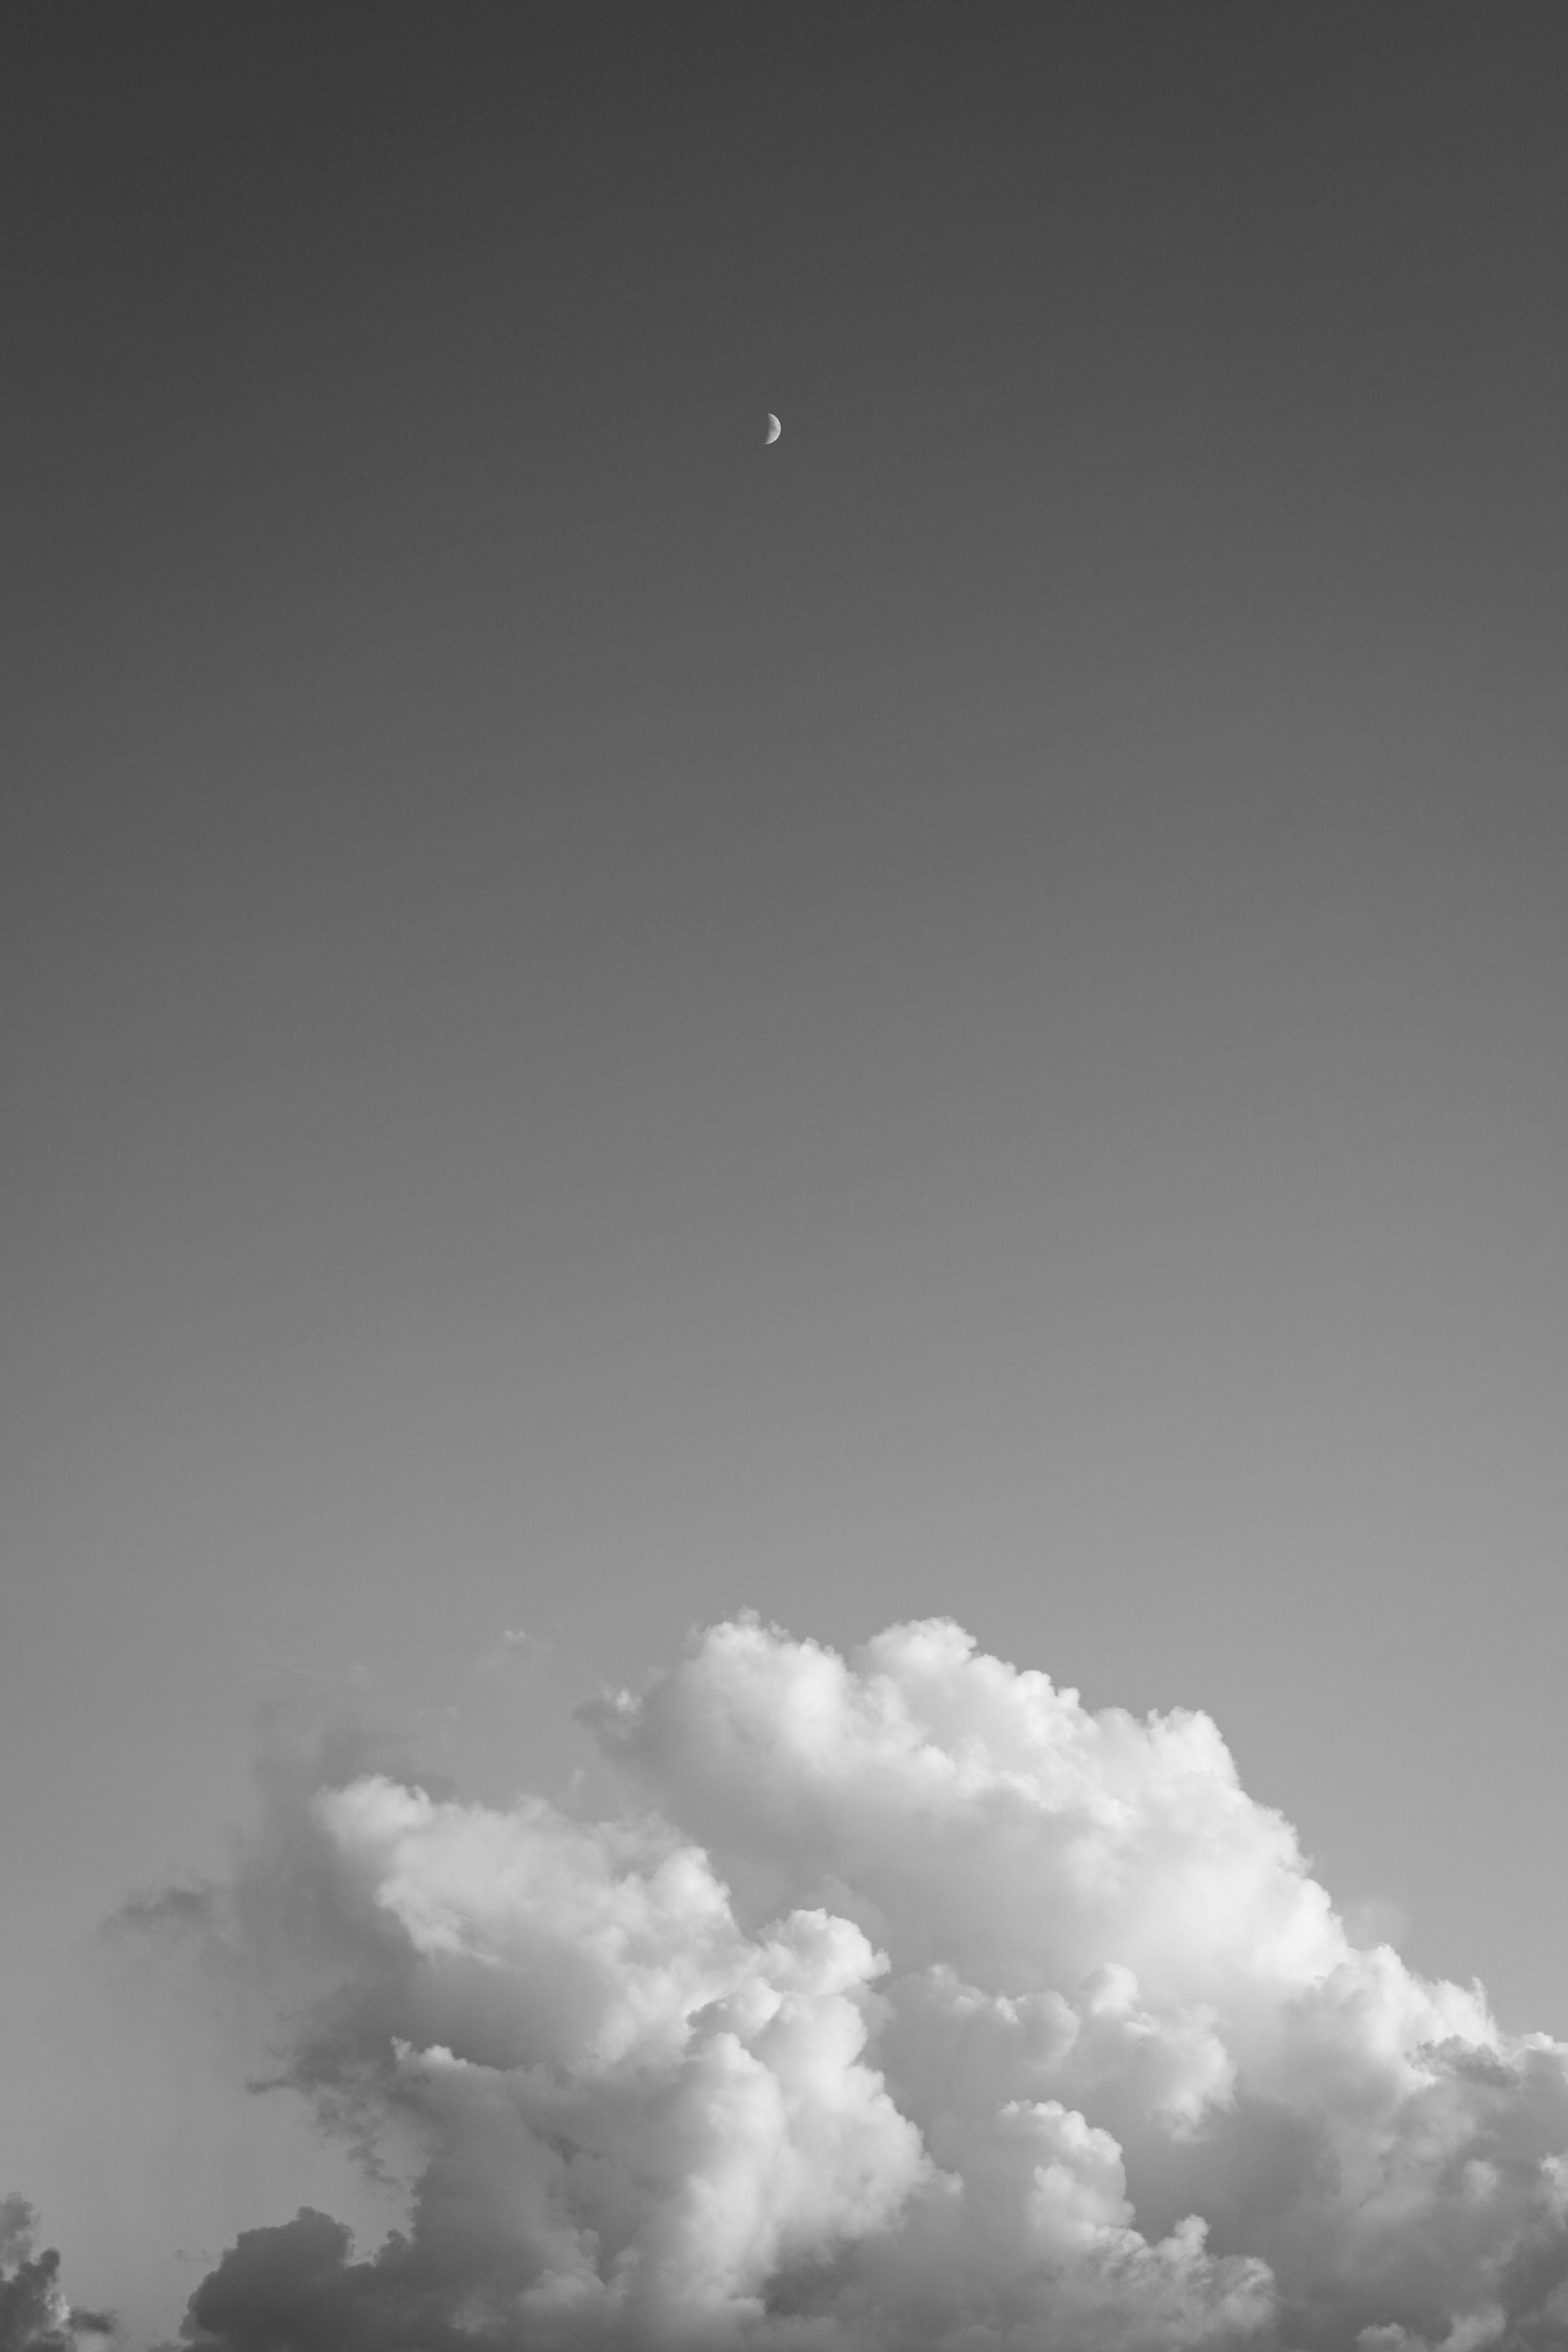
(774, 428)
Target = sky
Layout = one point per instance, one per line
(606, 1026)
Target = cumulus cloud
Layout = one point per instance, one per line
(910, 2005)
(33, 2313)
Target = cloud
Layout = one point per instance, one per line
(516, 1651)
(33, 2313)
(912, 2006)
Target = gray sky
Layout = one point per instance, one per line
(962, 1014)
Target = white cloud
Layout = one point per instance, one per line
(918, 2008)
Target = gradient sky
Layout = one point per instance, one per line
(967, 1013)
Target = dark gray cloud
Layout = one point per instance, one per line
(296, 2287)
(35, 2315)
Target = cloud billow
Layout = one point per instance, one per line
(918, 2008)
(35, 2315)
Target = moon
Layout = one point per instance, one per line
(774, 428)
